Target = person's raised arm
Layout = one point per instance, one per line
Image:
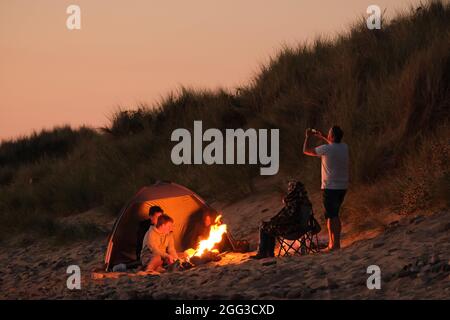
(307, 149)
(320, 135)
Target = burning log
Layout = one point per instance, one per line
(205, 251)
(206, 257)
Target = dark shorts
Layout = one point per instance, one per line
(332, 200)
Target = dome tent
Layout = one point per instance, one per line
(183, 205)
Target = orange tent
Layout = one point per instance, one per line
(183, 205)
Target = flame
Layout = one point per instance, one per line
(215, 236)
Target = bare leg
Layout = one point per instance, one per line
(330, 235)
(155, 264)
(335, 226)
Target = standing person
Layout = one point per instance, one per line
(153, 213)
(158, 246)
(335, 176)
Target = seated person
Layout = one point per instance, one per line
(198, 227)
(201, 230)
(158, 245)
(153, 213)
(292, 219)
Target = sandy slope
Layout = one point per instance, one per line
(413, 255)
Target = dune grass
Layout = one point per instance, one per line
(388, 89)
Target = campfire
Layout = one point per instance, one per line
(206, 251)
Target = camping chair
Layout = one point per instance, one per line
(300, 242)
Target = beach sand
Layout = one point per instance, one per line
(411, 251)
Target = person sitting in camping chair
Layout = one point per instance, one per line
(294, 220)
(158, 246)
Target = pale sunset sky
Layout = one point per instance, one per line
(133, 51)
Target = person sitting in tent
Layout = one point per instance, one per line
(292, 218)
(158, 245)
(199, 226)
(154, 212)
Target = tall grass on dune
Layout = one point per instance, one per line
(389, 89)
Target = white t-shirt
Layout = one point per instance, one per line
(334, 165)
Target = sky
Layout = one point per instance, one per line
(129, 52)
